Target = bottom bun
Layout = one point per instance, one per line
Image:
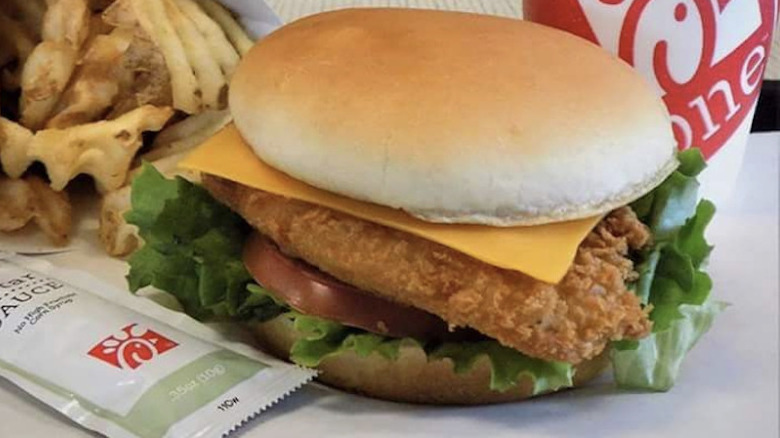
(411, 378)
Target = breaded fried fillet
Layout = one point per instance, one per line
(571, 321)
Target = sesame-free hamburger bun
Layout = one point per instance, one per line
(453, 117)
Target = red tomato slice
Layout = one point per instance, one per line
(313, 292)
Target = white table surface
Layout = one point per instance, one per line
(728, 388)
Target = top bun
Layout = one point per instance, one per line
(453, 117)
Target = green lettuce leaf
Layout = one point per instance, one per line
(193, 250)
(507, 365)
(666, 209)
(192, 246)
(322, 338)
(655, 362)
(671, 280)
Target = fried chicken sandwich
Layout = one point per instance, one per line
(439, 207)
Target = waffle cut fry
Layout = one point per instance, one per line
(94, 86)
(81, 81)
(117, 236)
(200, 43)
(17, 44)
(104, 149)
(44, 77)
(32, 200)
(65, 27)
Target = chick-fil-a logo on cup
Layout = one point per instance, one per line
(705, 57)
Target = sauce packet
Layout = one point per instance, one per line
(119, 372)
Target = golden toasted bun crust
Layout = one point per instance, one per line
(411, 378)
(453, 117)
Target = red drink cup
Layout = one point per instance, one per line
(705, 57)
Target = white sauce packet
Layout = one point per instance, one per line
(119, 372)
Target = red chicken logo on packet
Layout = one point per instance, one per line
(132, 348)
(705, 57)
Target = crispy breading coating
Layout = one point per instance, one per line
(571, 321)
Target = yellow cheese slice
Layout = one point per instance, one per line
(544, 252)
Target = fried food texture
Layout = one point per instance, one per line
(31, 200)
(104, 149)
(571, 321)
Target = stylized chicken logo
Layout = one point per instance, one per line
(132, 348)
(649, 33)
(705, 57)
